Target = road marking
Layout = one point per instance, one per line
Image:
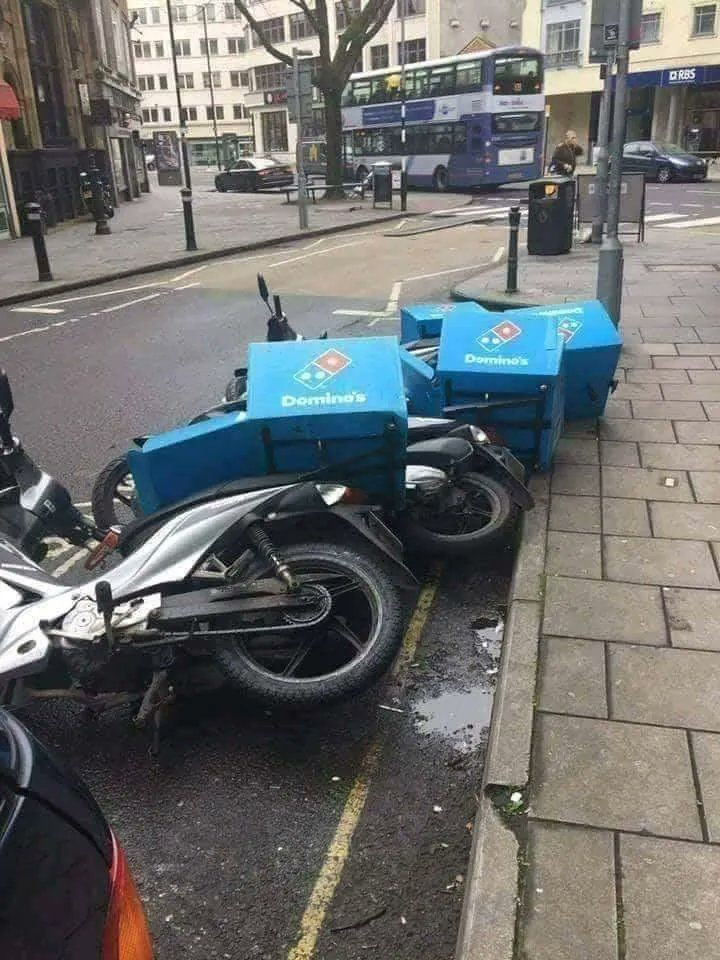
(37, 310)
(498, 255)
(315, 253)
(69, 563)
(23, 333)
(440, 273)
(186, 286)
(359, 313)
(107, 293)
(56, 547)
(338, 852)
(131, 303)
(467, 212)
(315, 243)
(188, 273)
(392, 303)
(701, 205)
(707, 222)
(658, 217)
(656, 203)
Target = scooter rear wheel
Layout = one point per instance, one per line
(113, 499)
(484, 512)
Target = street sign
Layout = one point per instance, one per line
(305, 72)
(611, 34)
(604, 17)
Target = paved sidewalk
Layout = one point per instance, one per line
(607, 721)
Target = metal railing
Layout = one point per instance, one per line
(563, 58)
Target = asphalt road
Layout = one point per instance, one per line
(334, 835)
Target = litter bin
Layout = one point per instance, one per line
(382, 183)
(551, 205)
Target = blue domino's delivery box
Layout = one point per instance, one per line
(592, 352)
(422, 390)
(512, 368)
(424, 320)
(184, 461)
(333, 404)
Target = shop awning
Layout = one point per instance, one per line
(9, 106)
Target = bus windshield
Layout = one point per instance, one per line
(517, 74)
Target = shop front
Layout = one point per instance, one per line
(9, 111)
(684, 106)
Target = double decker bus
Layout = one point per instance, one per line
(473, 120)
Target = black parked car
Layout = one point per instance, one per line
(254, 173)
(662, 161)
(66, 892)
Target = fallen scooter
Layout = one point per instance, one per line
(291, 593)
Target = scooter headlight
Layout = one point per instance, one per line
(478, 435)
(331, 493)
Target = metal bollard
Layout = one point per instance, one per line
(512, 263)
(102, 227)
(190, 242)
(33, 214)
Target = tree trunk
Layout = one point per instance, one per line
(334, 141)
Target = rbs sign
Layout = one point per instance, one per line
(686, 75)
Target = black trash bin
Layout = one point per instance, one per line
(551, 205)
(382, 183)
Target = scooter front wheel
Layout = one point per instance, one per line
(481, 513)
(114, 503)
(338, 657)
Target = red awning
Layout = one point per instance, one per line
(9, 106)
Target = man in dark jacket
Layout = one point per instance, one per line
(566, 153)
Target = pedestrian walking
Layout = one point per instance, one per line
(564, 159)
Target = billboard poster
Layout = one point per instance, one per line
(167, 158)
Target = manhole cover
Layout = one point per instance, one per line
(681, 267)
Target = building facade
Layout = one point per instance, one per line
(249, 85)
(69, 67)
(674, 82)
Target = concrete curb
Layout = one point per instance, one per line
(184, 260)
(489, 915)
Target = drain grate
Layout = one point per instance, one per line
(682, 267)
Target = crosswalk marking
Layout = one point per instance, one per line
(657, 217)
(706, 222)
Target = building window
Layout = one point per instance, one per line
(245, 78)
(270, 77)
(141, 16)
(143, 51)
(234, 78)
(650, 27)
(273, 30)
(274, 130)
(189, 113)
(379, 56)
(216, 81)
(182, 48)
(414, 51)
(155, 14)
(562, 44)
(186, 81)
(232, 12)
(238, 111)
(159, 48)
(180, 14)
(301, 27)
(209, 9)
(162, 81)
(167, 114)
(212, 44)
(146, 83)
(410, 8)
(150, 116)
(704, 20)
(341, 19)
(236, 45)
(219, 113)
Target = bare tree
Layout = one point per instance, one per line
(333, 70)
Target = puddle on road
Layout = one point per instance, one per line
(463, 715)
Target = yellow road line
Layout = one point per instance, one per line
(339, 850)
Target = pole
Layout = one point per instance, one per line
(601, 180)
(33, 215)
(403, 106)
(302, 198)
(610, 261)
(512, 263)
(102, 227)
(212, 87)
(190, 242)
(546, 139)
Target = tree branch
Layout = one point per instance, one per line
(361, 28)
(255, 26)
(308, 11)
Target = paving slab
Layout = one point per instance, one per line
(582, 428)
(712, 410)
(575, 514)
(573, 554)
(670, 896)
(572, 677)
(651, 350)
(575, 480)
(693, 618)
(679, 563)
(569, 869)
(620, 776)
(706, 747)
(619, 454)
(680, 521)
(601, 610)
(706, 485)
(680, 456)
(639, 391)
(625, 517)
(695, 432)
(691, 391)
(649, 431)
(683, 363)
(667, 410)
(657, 376)
(710, 376)
(529, 575)
(577, 450)
(672, 334)
(699, 349)
(646, 484)
(618, 409)
(660, 685)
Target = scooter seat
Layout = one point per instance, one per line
(442, 453)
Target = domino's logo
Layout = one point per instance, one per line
(320, 371)
(499, 335)
(568, 328)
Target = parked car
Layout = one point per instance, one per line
(66, 891)
(662, 161)
(254, 173)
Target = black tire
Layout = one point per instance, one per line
(220, 187)
(236, 388)
(383, 606)
(105, 508)
(440, 180)
(426, 534)
(664, 174)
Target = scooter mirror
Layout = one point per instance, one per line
(278, 306)
(262, 287)
(323, 335)
(6, 398)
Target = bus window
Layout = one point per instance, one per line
(347, 98)
(441, 82)
(379, 90)
(439, 138)
(516, 122)
(460, 138)
(469, 76)
(416, 84)
(517, 75)
(477, 140)
(361, 92)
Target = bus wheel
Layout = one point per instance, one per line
(440, 180)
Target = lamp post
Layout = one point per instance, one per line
(212, 86)
(403, 106)
(186, 191)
